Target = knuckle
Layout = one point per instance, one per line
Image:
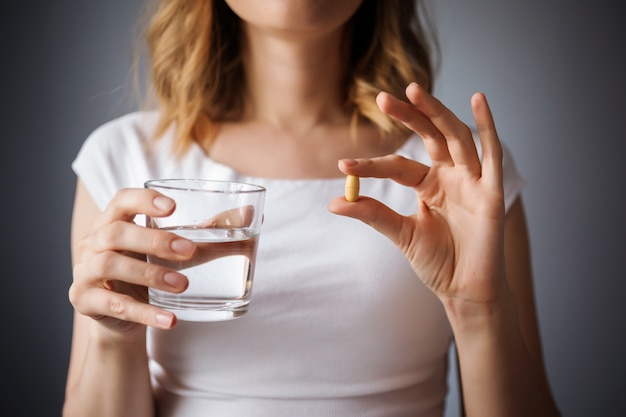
(145, 316)
(152, 274)
(396, 159)
(75, 289)
(82, 245)
(111, 232)
(102, 263)
(76, 294)
(160, 241)
(120, 196)
(73, 295)
(84, 248)
(118, 306)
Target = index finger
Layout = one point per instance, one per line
(129, 202)
(402, 170)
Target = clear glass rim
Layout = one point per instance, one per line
(204, 185)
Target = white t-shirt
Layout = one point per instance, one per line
(339, 324)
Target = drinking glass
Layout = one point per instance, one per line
(224, 220)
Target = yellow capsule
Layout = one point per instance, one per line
(352, 188)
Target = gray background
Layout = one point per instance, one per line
(554, 75)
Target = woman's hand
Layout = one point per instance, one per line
(455, 240)
(111, 275)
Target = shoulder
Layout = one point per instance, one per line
(124, 130)
(117, 154)
(124, 141)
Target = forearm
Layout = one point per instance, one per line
(112, 380)
(498, 375)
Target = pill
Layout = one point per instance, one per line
(352, 188)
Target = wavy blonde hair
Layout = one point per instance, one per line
(196, 70)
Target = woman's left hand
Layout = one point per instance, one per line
(455, 240)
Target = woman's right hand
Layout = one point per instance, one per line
(111, 275)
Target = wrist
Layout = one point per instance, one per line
(122, 339)
(470, 315)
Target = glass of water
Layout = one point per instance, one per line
(224, 220)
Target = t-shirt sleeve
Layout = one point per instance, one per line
(513, 181)
(104, 162)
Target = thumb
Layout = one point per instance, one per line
(375, 214)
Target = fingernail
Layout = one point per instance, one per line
(163, 203)
(383, 94)
(183, 247)
(349, 162)
(163, 319)
(175, 280)
(414, 85)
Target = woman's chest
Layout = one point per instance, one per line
(268, 153)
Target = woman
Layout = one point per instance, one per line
(342, 322)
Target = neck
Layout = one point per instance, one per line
(295, 83)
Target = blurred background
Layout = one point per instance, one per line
(552, 70)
